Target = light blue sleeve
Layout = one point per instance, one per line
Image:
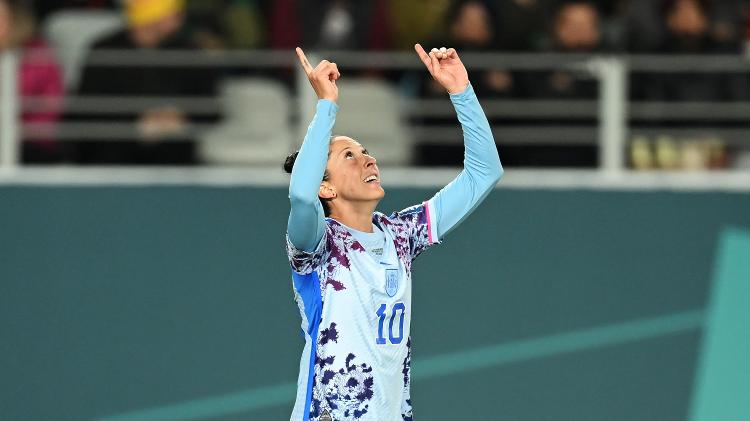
(306, 224)
(482, 167)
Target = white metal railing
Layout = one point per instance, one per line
(611, 109)
(9, 117)
(613, 99)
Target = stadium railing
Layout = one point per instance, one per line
(612, 110)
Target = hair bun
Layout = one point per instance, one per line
(289, 162)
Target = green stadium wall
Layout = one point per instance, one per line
(138, 303)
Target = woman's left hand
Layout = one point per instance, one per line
(446, 67)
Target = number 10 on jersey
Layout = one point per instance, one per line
(399, 308)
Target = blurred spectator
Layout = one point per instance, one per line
(645, 30)
(726, 25)
(340, 24)
(521, 24)
(689, 31)
(39, 76)
(470, 29)
(227, 23)
(152, 25)
(416, 21)
(575, 29)
(688, 26)
(329, 24)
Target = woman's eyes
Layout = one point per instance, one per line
(350, 154)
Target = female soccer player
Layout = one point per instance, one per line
(351, 265)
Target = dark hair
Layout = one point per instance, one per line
(289, 164)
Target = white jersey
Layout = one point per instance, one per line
(356, 315)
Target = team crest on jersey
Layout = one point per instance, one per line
(391, 282)
(325, 416)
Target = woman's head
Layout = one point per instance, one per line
(351, 178)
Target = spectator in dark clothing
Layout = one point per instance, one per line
(645, 31)
(688, 26)
(162, 129)
(227, 23)
(329, 24)
(726, 25)
(575, 29)
(470, 29)
(688, 31)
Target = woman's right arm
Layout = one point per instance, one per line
(306, 220)
(306, 223)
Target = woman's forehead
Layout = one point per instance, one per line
(340, 143)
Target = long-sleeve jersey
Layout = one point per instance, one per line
(353, 288)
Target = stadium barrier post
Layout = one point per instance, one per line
(9, 118)
(612, 73)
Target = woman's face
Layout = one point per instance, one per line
(353, 174)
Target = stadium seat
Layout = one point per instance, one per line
(72, 32)
(370, 113)
(256, 127)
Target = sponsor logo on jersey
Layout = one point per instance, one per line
(325, 416)
(391, 282)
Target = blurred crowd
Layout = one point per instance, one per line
(562, 26)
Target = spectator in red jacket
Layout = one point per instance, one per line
(39, 77)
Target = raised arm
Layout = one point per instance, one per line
(306, 223)
(482, 167)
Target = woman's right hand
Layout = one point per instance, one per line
(322, 78)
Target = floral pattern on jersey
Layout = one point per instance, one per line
(411, 232)
(329, 257)
(339, 242)
(305, 262)
(406, 411)
(344, 393)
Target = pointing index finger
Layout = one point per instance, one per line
(303, 60)
(423, 56)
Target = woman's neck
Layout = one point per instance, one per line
(355, 215)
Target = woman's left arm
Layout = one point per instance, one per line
(482, 167)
